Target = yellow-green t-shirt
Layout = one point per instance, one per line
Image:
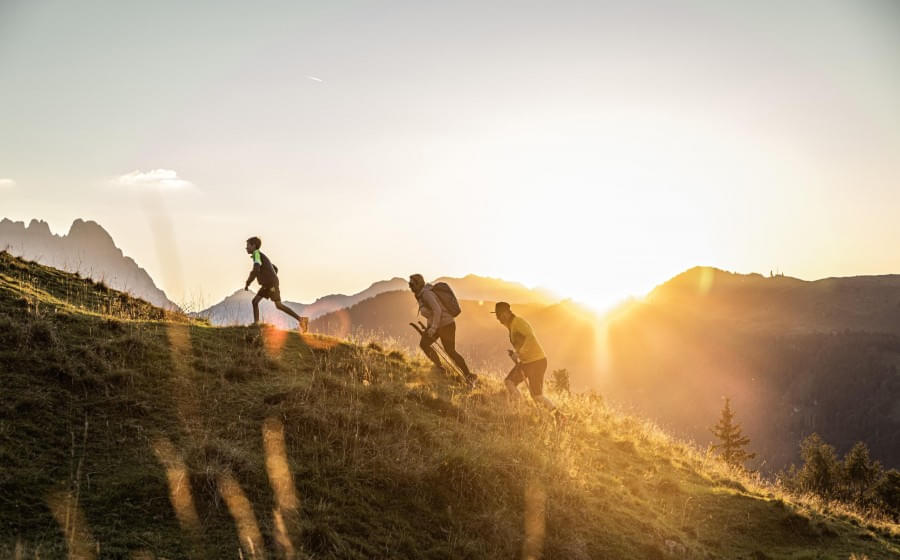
(531, 350)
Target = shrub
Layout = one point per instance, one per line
(397, 355)
(41, 334)
(10, 332)
(859, 473)
(559, 381)
(887, 491)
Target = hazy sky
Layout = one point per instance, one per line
(593, 148)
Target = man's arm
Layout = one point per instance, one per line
(518, 340)
(252, 277)
(432, 302)
(257, 265)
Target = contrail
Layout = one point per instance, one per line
(313, 78)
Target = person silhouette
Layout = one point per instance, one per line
(266, 274)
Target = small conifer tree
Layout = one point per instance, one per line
(860, 472)
(732, 440)
(821, 470)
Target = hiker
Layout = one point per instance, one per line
(531, 362)
(267, 274)
(441, 325)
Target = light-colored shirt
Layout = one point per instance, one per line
(430, 308)
(521, 335)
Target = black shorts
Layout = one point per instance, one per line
(534, 372)
(270, 292)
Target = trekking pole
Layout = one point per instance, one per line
(442, 352)
(439, 350)
(442, 357)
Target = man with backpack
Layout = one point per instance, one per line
(439, 306)
(267, 275)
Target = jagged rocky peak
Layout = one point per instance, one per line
(90, 231)
(39, 227)
(87, 249)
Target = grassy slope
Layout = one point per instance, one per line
(387, 460)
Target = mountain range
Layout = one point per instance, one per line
(236, 308)
(86, 249)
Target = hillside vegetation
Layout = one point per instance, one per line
(128, 432)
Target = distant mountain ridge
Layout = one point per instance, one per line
(753, 301)
(485, 288)
(794, 356)
(236, 308)
(87, 249)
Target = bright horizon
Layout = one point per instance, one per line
(595, 150)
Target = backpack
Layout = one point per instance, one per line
(447, 298)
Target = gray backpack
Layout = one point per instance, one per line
(447, 298)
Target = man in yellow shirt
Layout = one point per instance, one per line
(531, 362)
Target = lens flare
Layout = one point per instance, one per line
(273, 340)
(80, 542)
(535, 520)
(285, 514)
(179, 485)
(241, 511)
(183, 390)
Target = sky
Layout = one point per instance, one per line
(593, 148)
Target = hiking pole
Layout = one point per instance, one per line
(442, 357)
(439, 350)
(441, 353)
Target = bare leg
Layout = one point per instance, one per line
(514, 394)
(535, 375)
(256, 300)
(285, 309)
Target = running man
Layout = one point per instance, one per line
(267, 274)
(441, 325)
(531, 362)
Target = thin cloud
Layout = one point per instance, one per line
(7, 183)
(313, 78)
(163, 179)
